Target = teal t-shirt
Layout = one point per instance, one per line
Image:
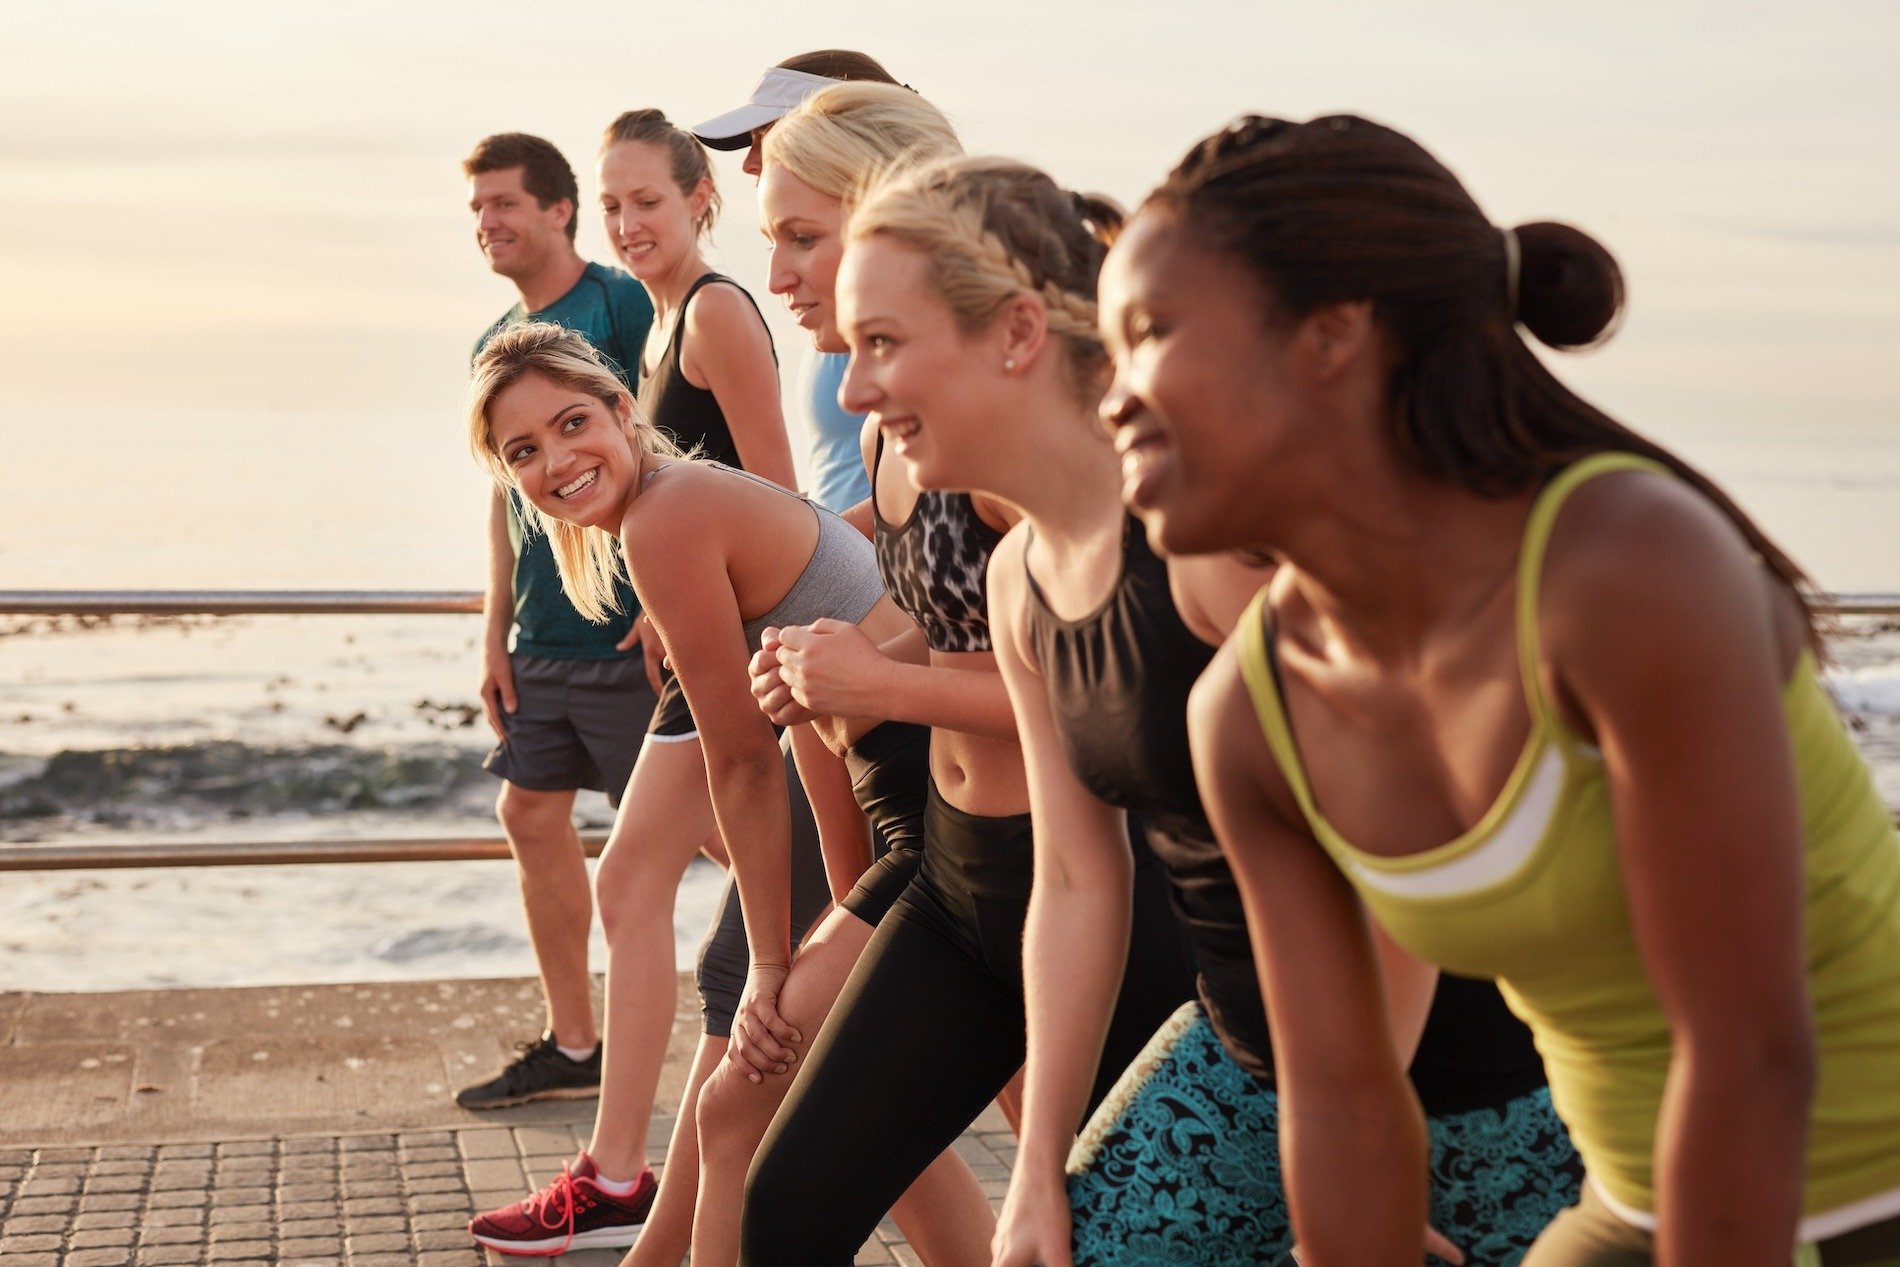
(611, 310)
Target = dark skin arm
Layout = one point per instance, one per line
(1352, 1136)
(1676, 675)
(1211, 591)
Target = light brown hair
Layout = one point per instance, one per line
(687, 157)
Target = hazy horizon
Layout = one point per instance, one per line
(238, 252)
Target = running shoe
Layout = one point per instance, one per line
(570, 1213)
(538, 1072)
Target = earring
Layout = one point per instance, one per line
(1009, 363)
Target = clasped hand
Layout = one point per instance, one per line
(761, 1038)
(825, 668)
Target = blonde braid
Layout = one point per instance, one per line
(994, 229)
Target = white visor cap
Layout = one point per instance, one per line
(778, 93)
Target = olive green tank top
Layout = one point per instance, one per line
(1533, 896)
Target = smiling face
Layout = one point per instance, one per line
(652, 224)
(515, 232)
(570, 453)
(805, 229)
(1205, 406)
(920, 377)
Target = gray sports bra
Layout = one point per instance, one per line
(840, 580)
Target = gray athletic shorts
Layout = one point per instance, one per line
(577, 723)
(724, 956)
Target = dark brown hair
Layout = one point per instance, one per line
(689, 162)
(544, 173)
(1339, 209)
(840, 63)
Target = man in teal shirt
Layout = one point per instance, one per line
(568, 699)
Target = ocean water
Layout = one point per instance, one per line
(287, 727)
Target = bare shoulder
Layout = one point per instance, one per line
(998, 514)
(1212, 590)
(722, 310)
(1005, 581)
(683, 502)
(1645, 580)
(867, 444)
(1235, 765)
(1219, 705)
(1640, 544)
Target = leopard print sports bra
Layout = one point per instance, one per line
(933, 565)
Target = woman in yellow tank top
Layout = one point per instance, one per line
(1527, 689)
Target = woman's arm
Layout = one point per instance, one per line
(1074, 946)
(1352, 1138)
(843, 834)
(832, 667)
(679, 571)
(1660, 635)
(1210, 593)
(728, 345)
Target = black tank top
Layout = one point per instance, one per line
(934, 564)
(1118, 682)
(691, 415)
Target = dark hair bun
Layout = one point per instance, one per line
(1569, 289)
(1101, 215)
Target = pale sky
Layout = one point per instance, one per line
(236, 209)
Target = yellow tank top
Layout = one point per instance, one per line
(1533, 896)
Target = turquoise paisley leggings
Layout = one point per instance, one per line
(1180, 1166)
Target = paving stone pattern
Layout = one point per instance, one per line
(389, 1200)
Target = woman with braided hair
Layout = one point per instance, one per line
(930, 1026)
(1527, 690)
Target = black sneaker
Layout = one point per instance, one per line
(540, 1072)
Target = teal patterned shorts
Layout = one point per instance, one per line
(1180, 1166)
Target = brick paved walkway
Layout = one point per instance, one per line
(349, 1201)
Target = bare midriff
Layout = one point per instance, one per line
(975, 773)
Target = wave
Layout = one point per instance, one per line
(225, 779)
(1873, 691)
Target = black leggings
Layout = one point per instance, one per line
(724, 958)
(929, 1028)
(890, 772)
(890, 768)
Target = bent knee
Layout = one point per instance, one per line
(626, 890)
(733, 1114)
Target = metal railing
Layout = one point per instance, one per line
(239, 602)
(82, 856)
(89, 856)
(253, 853)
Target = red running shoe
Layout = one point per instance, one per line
(570, 1213)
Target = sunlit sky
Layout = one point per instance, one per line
(221, 210)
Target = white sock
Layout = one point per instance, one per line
(616, 1187)
(577, 1054)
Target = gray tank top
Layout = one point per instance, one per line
(840, 580)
